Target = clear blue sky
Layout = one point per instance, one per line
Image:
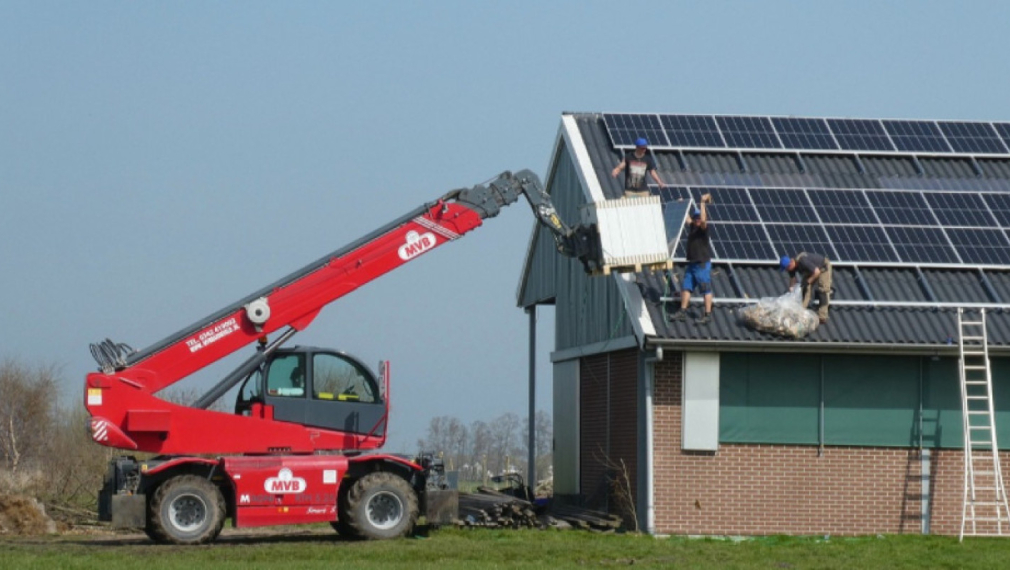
(161, 160)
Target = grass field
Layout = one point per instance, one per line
(450, 549)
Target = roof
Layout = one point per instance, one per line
(900, 295)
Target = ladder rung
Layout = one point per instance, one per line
(976, 382)
(975, 367)
(974, 352)
(987, 519)
(984, 472)
(977, 397)
(972, 322)
(986, 503)
(977, 412)
(972, 337)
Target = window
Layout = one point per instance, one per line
(334, 378)
(286, 376)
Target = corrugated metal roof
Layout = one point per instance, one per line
(948, 167)
(866, 325)
(874, 323)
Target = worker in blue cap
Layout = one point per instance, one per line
(638, 162)
(698, 275)
(814, 270)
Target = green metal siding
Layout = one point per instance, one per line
(768, 398)
(587, 309)
(539, 280)
(888, 401)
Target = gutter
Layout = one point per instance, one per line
(650, 491)
(819, 347)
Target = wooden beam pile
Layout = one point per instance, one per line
(488, 508)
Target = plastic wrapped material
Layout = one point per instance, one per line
(784, 316)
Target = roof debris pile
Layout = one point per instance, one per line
(784, 316)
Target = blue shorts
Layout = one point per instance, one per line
(698, 276)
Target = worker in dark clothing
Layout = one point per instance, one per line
(815, 271)
(698, 274)
(638, 162)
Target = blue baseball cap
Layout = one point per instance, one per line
(784, 263)
(695, 213)
(640, 141)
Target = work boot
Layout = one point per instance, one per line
(704, 319)
(680, 315)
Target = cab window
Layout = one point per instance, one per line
(286, 377)
(334, 378)
(252, 388)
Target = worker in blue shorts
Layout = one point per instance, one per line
(698, 275)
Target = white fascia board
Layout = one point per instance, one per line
(577, 147)
(634, 304)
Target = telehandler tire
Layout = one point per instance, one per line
(379, 506)
(186, 510)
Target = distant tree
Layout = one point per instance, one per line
(28, 411)
(544, 440)
(490, 448)
(504, 443)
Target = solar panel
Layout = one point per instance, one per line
(999, 205)
(741, 241)
(842, 206)
(804, 133)
(728, 204)
(973, 137)
(778, 205)
(860, 134)
(916, 136)
(692, 130)
(1003, 129)
(949, 217)
(748, 132)
(793, 238)
(921, 245)
(625, 128)
(807, 133)
(901, 208)
(861, 243)
(983, 246)
(960, 209)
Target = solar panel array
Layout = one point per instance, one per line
(854, 226)
(793, 133)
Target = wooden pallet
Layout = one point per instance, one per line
(635, 268)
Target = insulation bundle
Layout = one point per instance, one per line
(783, 316)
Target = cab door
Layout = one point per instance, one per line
(286, 388)
(344, 395)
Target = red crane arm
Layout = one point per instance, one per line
(297, 303)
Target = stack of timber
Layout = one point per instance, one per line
(488, 508)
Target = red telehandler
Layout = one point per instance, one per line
(291, 452)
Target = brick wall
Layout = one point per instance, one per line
(780, 489)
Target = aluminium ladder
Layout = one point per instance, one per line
(985, 511)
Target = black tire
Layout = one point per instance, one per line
(379, 506)
(186, 510)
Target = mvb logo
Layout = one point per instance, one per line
(284, 482)
(416, 245)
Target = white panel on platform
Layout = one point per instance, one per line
(632, 230)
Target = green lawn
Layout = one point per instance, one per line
(448, 549)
